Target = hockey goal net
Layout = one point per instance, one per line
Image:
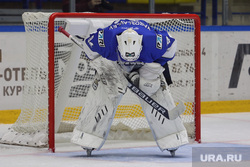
(57, 77)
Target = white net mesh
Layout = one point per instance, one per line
(74, 75)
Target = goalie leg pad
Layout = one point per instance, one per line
(95, 121)
(167, 133)
(88, 141)
(100, 106)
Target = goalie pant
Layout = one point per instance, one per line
(101, 103)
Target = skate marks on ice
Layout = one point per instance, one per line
(148, 154)
(143, 154)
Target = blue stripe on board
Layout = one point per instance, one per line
(225, 28)
(9, 28)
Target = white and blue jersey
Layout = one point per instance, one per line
(156, 45)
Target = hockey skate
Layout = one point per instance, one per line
(172, 151)
(88, 151)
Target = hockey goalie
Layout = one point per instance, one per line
(125, 53)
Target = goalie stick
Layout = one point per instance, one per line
(169, 114)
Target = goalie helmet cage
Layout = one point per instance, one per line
(185, 85)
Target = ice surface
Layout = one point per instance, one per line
(218, 130)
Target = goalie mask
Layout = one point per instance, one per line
(129, 45)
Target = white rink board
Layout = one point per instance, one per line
(218, 55)
(12, 67)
